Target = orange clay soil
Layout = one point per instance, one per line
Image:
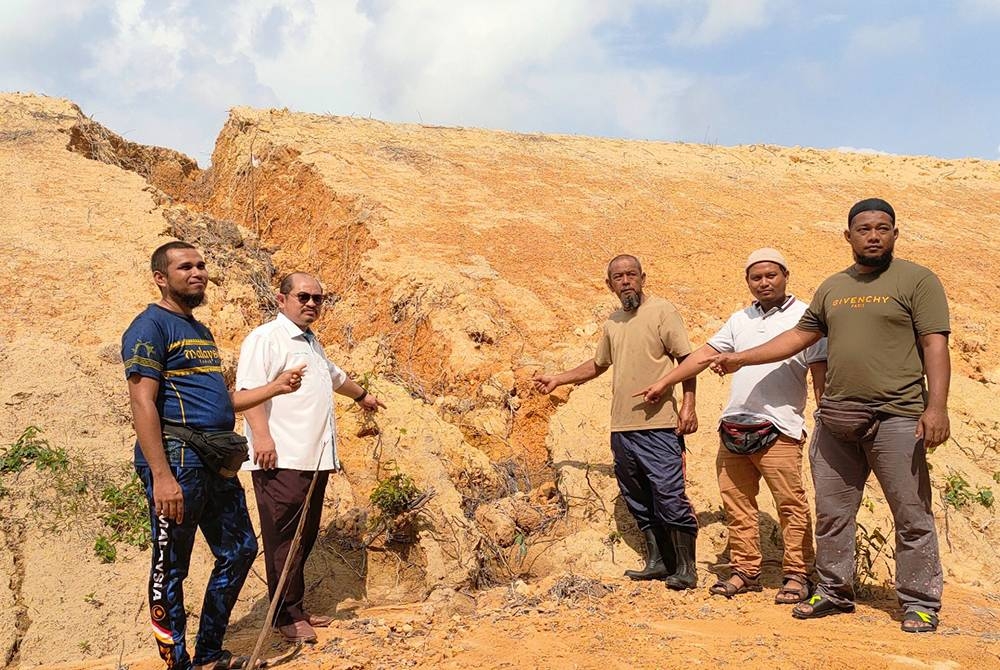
(462, 261)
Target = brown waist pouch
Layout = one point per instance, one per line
(848, 420)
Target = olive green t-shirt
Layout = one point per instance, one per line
(642, 346)
(872, 322)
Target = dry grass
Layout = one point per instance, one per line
(15, 135)
(575, 588)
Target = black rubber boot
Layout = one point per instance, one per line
(667, 549)
(686, 576)
(655, 568)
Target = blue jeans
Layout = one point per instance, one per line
(218, 507)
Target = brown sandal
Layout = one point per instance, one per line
(795, 590)
(728, 589)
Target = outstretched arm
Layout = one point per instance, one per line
(690, 366)
(578, 375)
(286, 382)
(934, 426)
(360, 395)
(783, 346)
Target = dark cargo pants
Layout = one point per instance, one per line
(840, 470)
(649, 466)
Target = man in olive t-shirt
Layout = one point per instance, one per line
(884, 307)
(886, 321)
(643, 341)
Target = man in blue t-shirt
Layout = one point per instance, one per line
(174, 376)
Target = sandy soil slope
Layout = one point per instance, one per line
(463, 262)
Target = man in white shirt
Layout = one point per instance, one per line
(762, 430)
(292, 442)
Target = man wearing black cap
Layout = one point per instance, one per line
(887, 325)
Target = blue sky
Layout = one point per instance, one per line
(901, 77)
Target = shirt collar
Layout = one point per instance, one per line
(789, 299)
(293, 331)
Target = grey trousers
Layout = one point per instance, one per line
(839, 471)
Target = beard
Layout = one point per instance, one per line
(630, 301)
(189, 300)
(874, 261)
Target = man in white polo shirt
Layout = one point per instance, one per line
(291, 442)
(762, 430)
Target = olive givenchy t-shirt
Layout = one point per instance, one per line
(642, 346)
(873, 322)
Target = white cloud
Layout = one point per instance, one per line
(146, 51)
(312, 59)
(882, 40)
(24, 18)
(981, 8)
(518, 65)
(723, 19)
(166, 72)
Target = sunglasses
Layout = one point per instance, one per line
(304, 297)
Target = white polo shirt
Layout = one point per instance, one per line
(775, 391)
(302, 423)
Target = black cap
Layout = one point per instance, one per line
(871, 205)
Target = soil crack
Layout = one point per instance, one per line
(13, 535)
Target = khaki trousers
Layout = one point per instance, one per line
(739, 483)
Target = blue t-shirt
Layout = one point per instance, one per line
(179, 352)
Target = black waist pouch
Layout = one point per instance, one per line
(222, 452)
(747, 434)
(848, 420)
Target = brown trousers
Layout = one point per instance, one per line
(280, 497)
(739, 483)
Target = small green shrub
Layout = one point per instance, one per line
(125, 512)
(984, 496)
(105, 549)
(393, 495)
(28, 449)
(78, 492)
(956, 491)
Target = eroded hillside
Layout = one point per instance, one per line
(463, 262)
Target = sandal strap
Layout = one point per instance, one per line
(747, 579)
(919, 616)
(725, 587)
(794, 584)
